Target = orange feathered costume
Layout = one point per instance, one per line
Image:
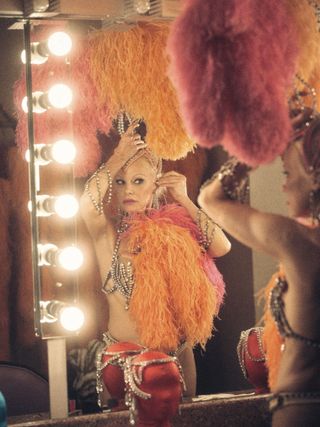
(174, 298)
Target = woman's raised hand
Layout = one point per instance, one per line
(176, 185)
(130, 142)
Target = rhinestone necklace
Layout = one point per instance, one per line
(121, 273)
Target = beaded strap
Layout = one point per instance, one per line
(234, 179)
(242, 348)
(133, 379)
(205, 238)
(122, 117)
(98, 204)
(121, 273)
(116, 359)
(316, 7)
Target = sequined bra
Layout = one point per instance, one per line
(122, 276)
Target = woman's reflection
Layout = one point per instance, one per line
(161, 285)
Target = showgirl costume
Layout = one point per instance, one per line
(172, 287)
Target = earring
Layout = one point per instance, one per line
(158, 198)
(155, 201)
(314, 206)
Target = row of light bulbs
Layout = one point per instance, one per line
(66, 206)
(59, 95)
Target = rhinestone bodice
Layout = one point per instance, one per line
(121, 273)
(122, 277)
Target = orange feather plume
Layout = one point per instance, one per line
(173, 299)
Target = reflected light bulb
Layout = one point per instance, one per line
(66, 206)
(36, 107)
(35, 57)
(24, 104)
(70, 258)
(71, 318)
(63, 151)
(60, 95)
(59, 43)
(27, 155)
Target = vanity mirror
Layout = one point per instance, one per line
(218, 368)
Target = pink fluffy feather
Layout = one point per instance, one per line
(232, 63)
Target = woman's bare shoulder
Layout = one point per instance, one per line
(97, 223)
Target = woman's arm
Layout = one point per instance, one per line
(217, 242)
(258, 230)
(98, 188)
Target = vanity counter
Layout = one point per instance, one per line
(216, 410)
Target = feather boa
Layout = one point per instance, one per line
(173, 298)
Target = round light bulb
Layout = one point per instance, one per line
(63, 151)
(36, 107)
(60, 95)
(70, 258)
(59, 43)
(36, 59)
(71, 318)
(46, 253)
(66, 206)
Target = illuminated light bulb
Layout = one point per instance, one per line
(63, 151)
(24, 104)
(60, 96)
(36, 106)
(44, 205)
(48, 310)
(41, 154)
(70, 258)
(59, 43)
(47, 253)
(71, 318)
(27, 155)
(36, 57)
(66, 206)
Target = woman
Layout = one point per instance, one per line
(145, 255)
(295, 298)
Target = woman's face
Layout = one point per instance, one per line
(299, 183)
(134, 187)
